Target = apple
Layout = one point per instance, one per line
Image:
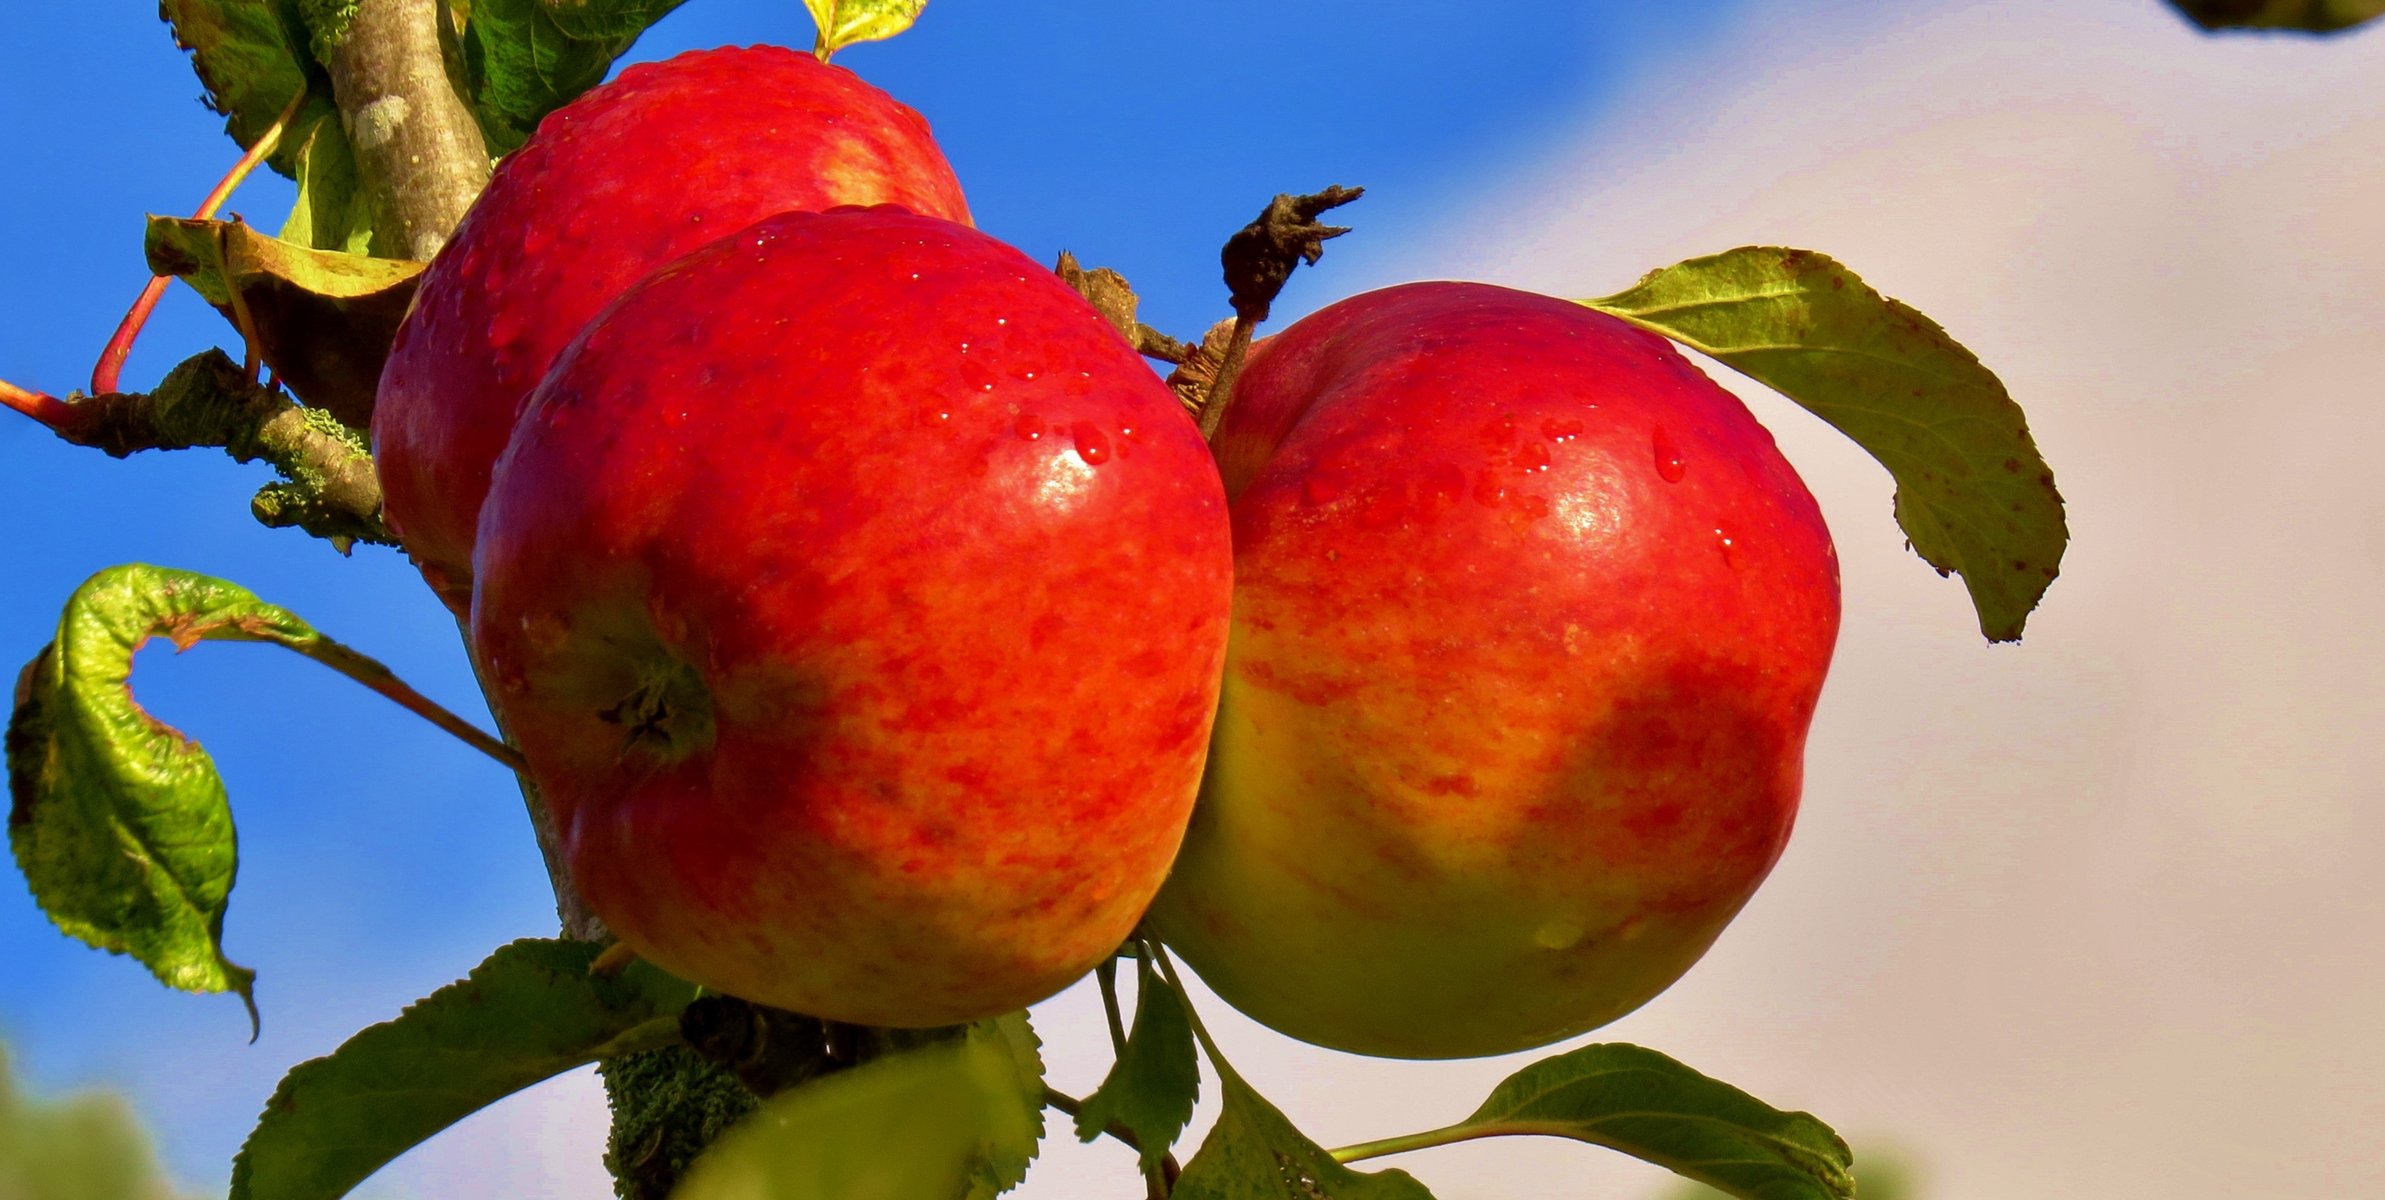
(635, 173)
(858, 598)
(1530, 618)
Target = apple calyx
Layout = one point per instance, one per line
(667, 715)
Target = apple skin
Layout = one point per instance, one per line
(665, 158)
(859, 598)
(1530, 618)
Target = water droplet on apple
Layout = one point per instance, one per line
(1728, 545)
(1560, 431)
(1028, 426)
(1668, 456)
(1532, 457)
(1557, 933)
(975, 376)
(1092, 445)
(1488, 491)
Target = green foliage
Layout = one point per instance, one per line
(2313, 16)
(252, 56)
(332, 211)
(1973, 494)
(957, 1119)
(526, 58)
(530, 1012)
(1878, 1177)
(1254, 1153)
(1644, 1104)
(85, 1147)
(118, 821)
(844, 22)
(1151, 1089)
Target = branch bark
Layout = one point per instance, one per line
(417, 145)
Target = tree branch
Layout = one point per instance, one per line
(330, 488)
(417, 146)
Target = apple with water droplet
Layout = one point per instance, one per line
(858, 598)
(625, 178)
(1530, 619)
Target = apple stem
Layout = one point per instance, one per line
(107, 372)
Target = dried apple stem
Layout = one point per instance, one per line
(110, 368)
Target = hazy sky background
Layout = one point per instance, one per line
(2091, 916)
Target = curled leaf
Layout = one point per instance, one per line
(120, 823)
(323, 320)
(1973, 495)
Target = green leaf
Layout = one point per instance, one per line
(323, 320)
(1151, 1089)
(119, 823)
(1254, 1153)
(1644, 1104)
(1973, 494)
(844, 22)
(2313, 16)
(530, 1012)
(253, 57)
(333, 211)
(953, 1120)
(527, 58)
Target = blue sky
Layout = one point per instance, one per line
(379, 860)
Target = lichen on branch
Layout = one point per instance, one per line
(330, 488)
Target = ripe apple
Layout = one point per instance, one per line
(1530, 618)
(633, 174)
(858, 598)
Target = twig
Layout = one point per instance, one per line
(105, 374)
(1071, 1107)
(330, 488)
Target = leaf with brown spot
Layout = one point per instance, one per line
(323, 320)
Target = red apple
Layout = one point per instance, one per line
(858, 598)
(1530, 618)
(665, 158)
